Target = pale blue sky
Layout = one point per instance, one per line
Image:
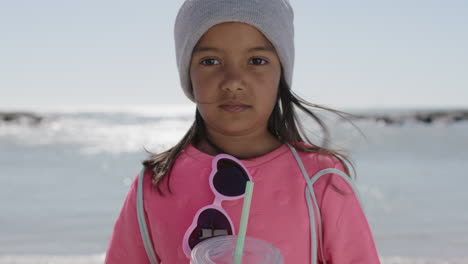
(369, 53)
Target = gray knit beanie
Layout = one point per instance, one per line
(274, 18)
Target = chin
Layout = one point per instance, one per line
(240, 128)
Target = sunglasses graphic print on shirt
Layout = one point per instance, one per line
(227, 181)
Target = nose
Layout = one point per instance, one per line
(233, 79)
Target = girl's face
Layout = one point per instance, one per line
(235, 73)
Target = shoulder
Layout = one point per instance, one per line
(315, 164)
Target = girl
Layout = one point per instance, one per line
(235, 59)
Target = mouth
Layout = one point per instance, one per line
(235, 108)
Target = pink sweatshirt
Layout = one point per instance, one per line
(278, 213)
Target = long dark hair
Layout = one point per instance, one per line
(283, 123)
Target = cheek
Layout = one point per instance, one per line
(270, 88)
(203, 83)
(202, 89)
(199, 85)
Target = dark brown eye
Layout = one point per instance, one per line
(209, 62)
(258, 61)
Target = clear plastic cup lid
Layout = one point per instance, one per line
(220, 250)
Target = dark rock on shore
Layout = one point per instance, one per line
(21, 117)
(446, 117)
(426, 117)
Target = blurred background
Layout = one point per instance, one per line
(86, 85)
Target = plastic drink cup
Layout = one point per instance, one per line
(221, 249)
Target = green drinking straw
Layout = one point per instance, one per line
(243, 224)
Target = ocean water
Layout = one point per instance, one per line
(63, 181)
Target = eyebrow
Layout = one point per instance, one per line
(258, 48)
(263, 48)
